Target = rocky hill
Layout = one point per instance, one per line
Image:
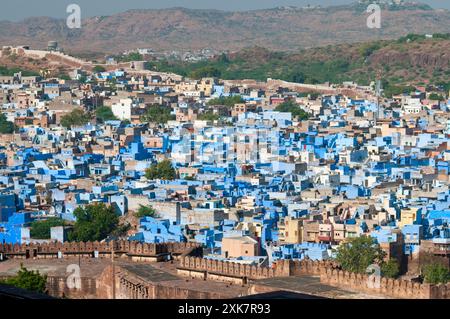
(281, 29)
(410, 60)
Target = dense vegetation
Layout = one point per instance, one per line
(6, 127)
(391, 89)
(390, 269)
(436, 273)
(436, 97)
(358, 254)
(229, 101)
(158, 114)
(104, 113)
(4, 71)
(162, 170)
(362, 63)
(99, 69)
(28, 280)
(361, 252)
(41, 229)
(145, 211)
(75, 118)
(208, 116)
(94, 222)
(294, 109)
(133, 56)
(272, 64)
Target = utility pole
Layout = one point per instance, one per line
(113, 272)
(378, 89)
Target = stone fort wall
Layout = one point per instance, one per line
(130, 248)
(128, 286)
(191, 265)
(224, 268)
(327, 271)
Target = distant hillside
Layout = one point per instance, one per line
(411, 60)
(280, 29)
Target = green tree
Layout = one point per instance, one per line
(98, 69)
(391, 90)
(29, 280)
(293, 108)
(204, 72)
(82, 79)
(359, 253)
(75, 118)
(6, 127)
(366, 50)
(10, 72)
(41, 229)
(94, 222)
(133, 56)
(435, 273)
(436, 97)
(297, 77)
(104, 113)
(229, 101)
(121, 230)
(390, 269)
(162, 170)
(158, 114)
(208, 116)
(145, 211)
(65, 77)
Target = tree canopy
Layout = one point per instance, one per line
(28, 280)
(75, 118)
(436, 97)
(145, 211)
(158, 114)
(436, 273)
(133, 56)
(359, 253)
(94, 222)
(390, 269)
(98, 69)
(204, 72)
(226, 100)
(162, 170)
(293, 108)
(104, 113)
(6, 127)
(41, 229)
(208, 116)
(5, 71)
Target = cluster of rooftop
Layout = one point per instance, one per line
(253, 184)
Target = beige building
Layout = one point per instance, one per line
(290, 230)
(242, 108)
(408, 216)
(311, 232)
(233, 247)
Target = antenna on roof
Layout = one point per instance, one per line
(378, 90)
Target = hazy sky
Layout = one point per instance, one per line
(20, 9)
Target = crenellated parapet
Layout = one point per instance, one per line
(387, 287)
(329, 272)
(130, 248)
(224, 268)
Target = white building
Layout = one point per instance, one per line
(122, 109)
(411, 105)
